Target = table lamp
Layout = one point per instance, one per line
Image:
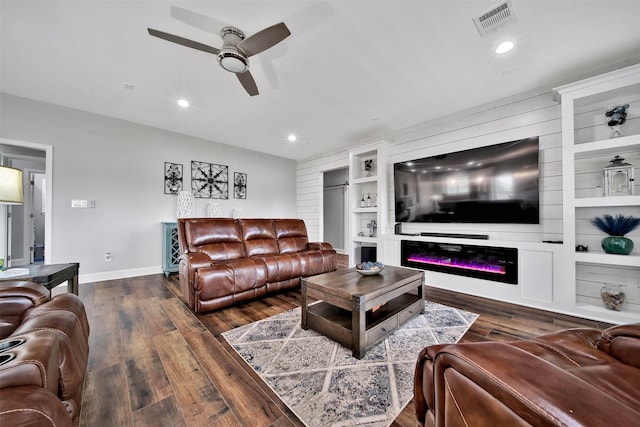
(10, 186)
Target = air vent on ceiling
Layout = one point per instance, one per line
(495, 18)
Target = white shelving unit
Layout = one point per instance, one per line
(367, 199)
(587, 149)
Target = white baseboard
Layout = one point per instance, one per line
(118, 274)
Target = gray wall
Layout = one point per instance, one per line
(120, 165)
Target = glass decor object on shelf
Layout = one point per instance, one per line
(618, 178)
(616, 116)
(616, 228)
(612, 296)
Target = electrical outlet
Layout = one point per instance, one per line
(107, 257)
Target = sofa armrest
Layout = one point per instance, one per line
(623, 343)
(424, 397)
(188, 264)
(16, 297)
(34, 292)
(320, 246)
(513, 384)
(32, 406)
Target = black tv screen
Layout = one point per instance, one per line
(493, 184)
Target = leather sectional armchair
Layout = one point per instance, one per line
(576, 377)
(44, 350)
(224, 261)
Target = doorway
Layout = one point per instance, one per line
(335, 196)
(26, 230)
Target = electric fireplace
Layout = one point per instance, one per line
(482, 262)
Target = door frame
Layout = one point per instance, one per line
(347, 241)
(48, 222)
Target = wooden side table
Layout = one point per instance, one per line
(51, 275)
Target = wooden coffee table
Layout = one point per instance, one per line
(359, 311)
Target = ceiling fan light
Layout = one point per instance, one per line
(231, 61)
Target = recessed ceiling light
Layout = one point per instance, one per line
(292, 138)
(505, 47)
(183, 103)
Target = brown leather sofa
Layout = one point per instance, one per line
(576, 377)
(224, 261)
(44, 349)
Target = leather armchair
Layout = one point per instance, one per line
(43, 355)
(576, 377)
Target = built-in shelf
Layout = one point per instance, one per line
(607, 147)
(595, 202)
(367, 179)
(600, 313)
(372, 209)
(585, 153)
(630, 260)
(370, 187)
(365, 239)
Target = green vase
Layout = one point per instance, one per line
(617, 245)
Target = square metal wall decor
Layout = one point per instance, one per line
(172, 178)
(239, 185)
(209, 181)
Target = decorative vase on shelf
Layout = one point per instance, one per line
(616, 227)
(612, 296)
(619, 245)
(213, 210)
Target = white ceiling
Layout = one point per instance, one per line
(351, 72)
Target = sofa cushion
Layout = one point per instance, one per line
(282, 267)
(259, 237)
(291, 235)
(219, 238)
(231, 277)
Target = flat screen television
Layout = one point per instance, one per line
(493, 184)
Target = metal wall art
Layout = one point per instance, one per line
(239, 185)
(172, 178)
(209, 181)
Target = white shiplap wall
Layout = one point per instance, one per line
(531, 114)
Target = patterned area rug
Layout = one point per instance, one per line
(324, 385)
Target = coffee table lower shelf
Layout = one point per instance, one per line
(337, 323)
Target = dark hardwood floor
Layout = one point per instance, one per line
(153, 362)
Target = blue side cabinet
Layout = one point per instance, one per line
(170, 248)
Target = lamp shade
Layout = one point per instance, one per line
(10, 186)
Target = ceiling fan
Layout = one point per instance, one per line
(236, 49)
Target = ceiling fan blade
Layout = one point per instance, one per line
(197, 20)
(182, 41)
(246, 79)
(264, 39)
